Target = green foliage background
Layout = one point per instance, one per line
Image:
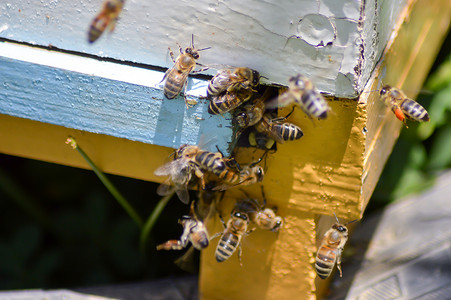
(423, 150)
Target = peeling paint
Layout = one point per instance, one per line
(250, 33)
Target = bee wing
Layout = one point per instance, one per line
(165, 188)
(167, 169)
(183, 194)
(282, 100)
(186, 261)
(272, 132)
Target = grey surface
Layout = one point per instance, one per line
(181, 288)
(409, 256)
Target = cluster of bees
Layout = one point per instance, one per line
(235, 90)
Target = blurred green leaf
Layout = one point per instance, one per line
(441, 77)
(440, 156)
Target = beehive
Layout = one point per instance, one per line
(59, 87)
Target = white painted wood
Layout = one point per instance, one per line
(338, 44)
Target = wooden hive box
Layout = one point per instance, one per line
(107, 95)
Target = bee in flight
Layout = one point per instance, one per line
(107, 17)
(185, 64)
(231, 80)
(194, 231)
(229, 100)
(264, 218)
(329, 252)
(402, 106)
(230, 238)
(303, 93)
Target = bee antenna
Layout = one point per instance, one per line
(336, 218)
(172, 153)
(203, 49)
(352, 221)
(192, 40)
(256, 162)
(262, 76)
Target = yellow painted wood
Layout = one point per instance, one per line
(36, 140)
(332, 169)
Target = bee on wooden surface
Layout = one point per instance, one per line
(402, 106)
(250, 113)
(229, 100)
(279, 130)
(194, 231)
(329, 252)
(107, 17)
(180, 173)
(177, 76)
(247, 175)
(229, 172)
(230, 238)
(231, 80)
(264, 218)
(303, 93)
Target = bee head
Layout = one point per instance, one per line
(384, 90)
(239, 215)
(242, 119)
(278, 224)
(255, 78)
(340, 227)
(193, 52)
(298, 81)
(259, 173)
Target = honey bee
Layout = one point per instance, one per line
(303, 93)
(250, 113)
(231, 80)
(264, 218)
(403, 107)
(329, 253)
(228, 101)
(279, 130)
(247, 175)
(177, 76)
(192, 160)
(107, 17)
(180, 174)
(194, 231)
(236, 228)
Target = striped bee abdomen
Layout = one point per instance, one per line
(325, 261)
(414, 110)
(226, 247)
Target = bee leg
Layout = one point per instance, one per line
(205, 68)
(170, 245)
(180, 48)
(171, 54)
(216, 235)
(165, 74)
(339, 264)
(239, 255)
(222, 220)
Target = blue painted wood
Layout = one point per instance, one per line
(105, 106)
